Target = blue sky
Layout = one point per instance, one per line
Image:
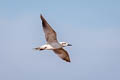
(91, 26)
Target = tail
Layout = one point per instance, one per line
(38, 48)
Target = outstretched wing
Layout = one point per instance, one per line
(62, 54)
(50, 34)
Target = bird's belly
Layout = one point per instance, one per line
(53, 46)
(49, 47)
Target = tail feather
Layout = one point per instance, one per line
(37, 48)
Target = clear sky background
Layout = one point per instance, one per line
(91, 26)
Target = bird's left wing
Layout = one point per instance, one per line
(62, 54)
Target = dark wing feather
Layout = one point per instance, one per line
(50, 34)
(62, 54)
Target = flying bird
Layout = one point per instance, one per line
(52, 42)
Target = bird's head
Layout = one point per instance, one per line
(64, 44)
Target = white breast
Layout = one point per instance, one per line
(52, 46)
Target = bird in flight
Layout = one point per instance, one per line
(52, 42)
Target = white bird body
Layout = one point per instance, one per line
(50, 46)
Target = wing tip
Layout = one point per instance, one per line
(67, 59)
(41, 16)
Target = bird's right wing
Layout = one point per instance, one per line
(50, 34)
(63, 54)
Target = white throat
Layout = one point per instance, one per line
(64, 44)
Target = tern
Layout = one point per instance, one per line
(52, 42)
